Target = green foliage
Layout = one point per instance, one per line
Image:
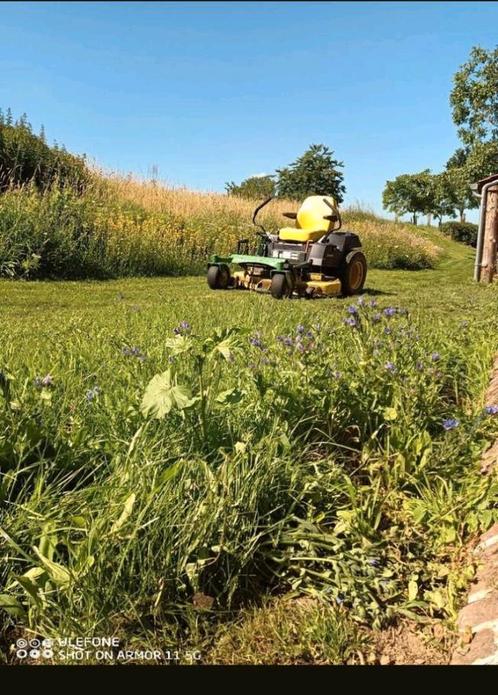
(466, 232)
(316, 172)
(254, 188)
(311, 457)
(26, 158)
(474, 97)
(410, 193)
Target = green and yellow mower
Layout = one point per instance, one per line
(312, 259)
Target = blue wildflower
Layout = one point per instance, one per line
(351, 321)
(92, 393)
(256, 341)
(133, 352)
(390, 366)
(435, 357)
(491, 409)
(450, 423)
(362, 301)
(300, 328)
(389, 311)
(352, 309)
(372, 303)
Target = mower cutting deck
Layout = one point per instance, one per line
(311, 259)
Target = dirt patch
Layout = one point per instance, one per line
(409, 643)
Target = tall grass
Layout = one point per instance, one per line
(121, 227)
(333, 460)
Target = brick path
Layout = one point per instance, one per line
(478, 620)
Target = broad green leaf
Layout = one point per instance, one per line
(125, 514)
(229, 396)
(412, 590)
(59, 574)
(163, 394)
(11, 605)
(179, 345)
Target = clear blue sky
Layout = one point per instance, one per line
(211, 92)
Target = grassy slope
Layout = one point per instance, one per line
(50, 326)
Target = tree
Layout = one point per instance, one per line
(410, 193)
(474, 97)
(444, 198)
(316, 172)
(255, 187)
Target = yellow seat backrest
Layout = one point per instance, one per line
(310, 222)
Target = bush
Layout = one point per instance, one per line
(466, 232)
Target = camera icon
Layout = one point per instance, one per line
(34, 643)
(47, 653)
(21, 653)
(34, 653)
(47, 643)
(21, 643)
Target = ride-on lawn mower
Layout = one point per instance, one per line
(312, 259)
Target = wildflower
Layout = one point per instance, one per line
(491, 409)
(372, 303)
(309, 334)
(389, 311)
(256, 341)
(435, 357)
(361, 301)
(44, 382)
(300, 328)
(182, 329)
(450, 423)
(92, 393)
(376, 317)
(337, 374)
(373, 562)
(390, 366)
(133, 352)
(419, 366)
(351, 321)
(352, 309)
(387, 330)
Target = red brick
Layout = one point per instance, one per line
(479, 612)
(481, 646)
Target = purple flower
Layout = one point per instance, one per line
(337, 374)
(435, 357)
(133, 352)
(450, 423)
(419, 366)
(256, 341)
(182, 329)
(352, 309)
(390, 366)
(389, 311)
(491, 409)
(92, 393)
(44, 382)
(300, 328)
(351, 321)
(372, 303)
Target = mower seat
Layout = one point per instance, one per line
(311, 220)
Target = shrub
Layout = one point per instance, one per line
(466, 232)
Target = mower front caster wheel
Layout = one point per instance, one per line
(218, 277)
(280, 286)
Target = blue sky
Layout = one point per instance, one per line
(211, 92)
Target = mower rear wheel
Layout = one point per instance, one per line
(218, 277)
(280, 286)
(353, 273)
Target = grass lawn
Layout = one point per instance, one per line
(322, 469)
